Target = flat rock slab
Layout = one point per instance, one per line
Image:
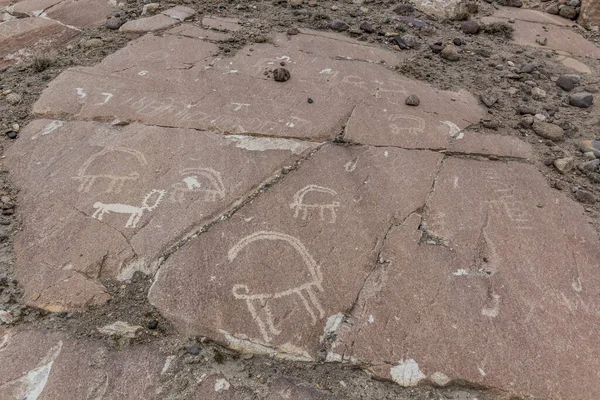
(278, 275)
(106, 201)
(32, 8)
(192, 31)
(237, 95)
(222, 24)
(498, 287)
(149, 24)
(472, 143)
(560, 38)
(81, 13)
(35, 364)
(21, 37)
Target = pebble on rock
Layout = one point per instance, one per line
(281, 75)
(193, 350)
(412, 100)
(548, 130)
(95, 42)
(581, 99)
(366, 27)
(12, 134)
(568, 12)
(152, 325)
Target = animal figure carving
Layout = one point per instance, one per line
(407, 124)
(198, 180)
(299, 205)
(135, 212)
(259, 303)
(116, 181)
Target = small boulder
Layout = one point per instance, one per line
(564, 165)
(538, 94)
(581, 99)
(450, 53)
(367, 27)
(590, 146)
(568, 12)
(548, 130)
(583, 196)
(339, 25)
(568, 81)
(552, 9)
(470, 27)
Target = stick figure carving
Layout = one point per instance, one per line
(89, 177)
(299, 205)
(407, 124)
(135, 212)
(198, 180)
(258, 303)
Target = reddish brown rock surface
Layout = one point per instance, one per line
(502, 282)
(107, 201)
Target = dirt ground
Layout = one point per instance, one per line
(260, 19)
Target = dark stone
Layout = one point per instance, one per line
(436, 47)
(566, 82)
(568, 12)
(583, 196)
(12, 134)
(412, 100)
(310, 101)
(152, 325)
(367, 27)
(339, 25)
(193, 350)
(114, 23)
(470, 27)
(458, 41)
(581, 100)
(404, 9)
(281, 75)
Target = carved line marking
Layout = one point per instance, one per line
(136, 212)
(407, 124)
(115, 182)
(305, 292)
(299, 206)
(190, 184)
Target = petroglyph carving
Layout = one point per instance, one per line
(402, 124)
(198, 180)
(506, 201)
(299, 205)
(135, 212)
(51, 127)
(453, 130)
(258, 303)
(31, 385)
(107, 97)
(88, 176)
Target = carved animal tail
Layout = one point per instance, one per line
(161, 194)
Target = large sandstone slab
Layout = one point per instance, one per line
(590, 14)
(81, 13)
(560, 38)
(98, 200)
(42, 365)
(497, 287)
(165, 19)
(21, 37)
(344, 79)
(278, 275)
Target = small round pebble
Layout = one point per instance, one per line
(310, 101)
(152, 325)
(193, 350)
(12, 134)
(412, 100)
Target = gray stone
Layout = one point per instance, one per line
(13, 98)
(113, 23)
(95, 42)
(470, 27)
(568, 12)
(412, 100)
(450, 53)
(581, 99)
(548, 131)
(490, 98)
(583, 196)
(564, 165)
(552, 9)
(528, 68)
(568, 82)
(538, 94)
(339, 25)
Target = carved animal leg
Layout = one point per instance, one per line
(333, 214)
(322, 213)
(88, 183)
(313, 317)
(259, 322)
(269, 317)
(98, 213)
(315, 301)
(134, 219)
(305, 213)
(296, 210)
